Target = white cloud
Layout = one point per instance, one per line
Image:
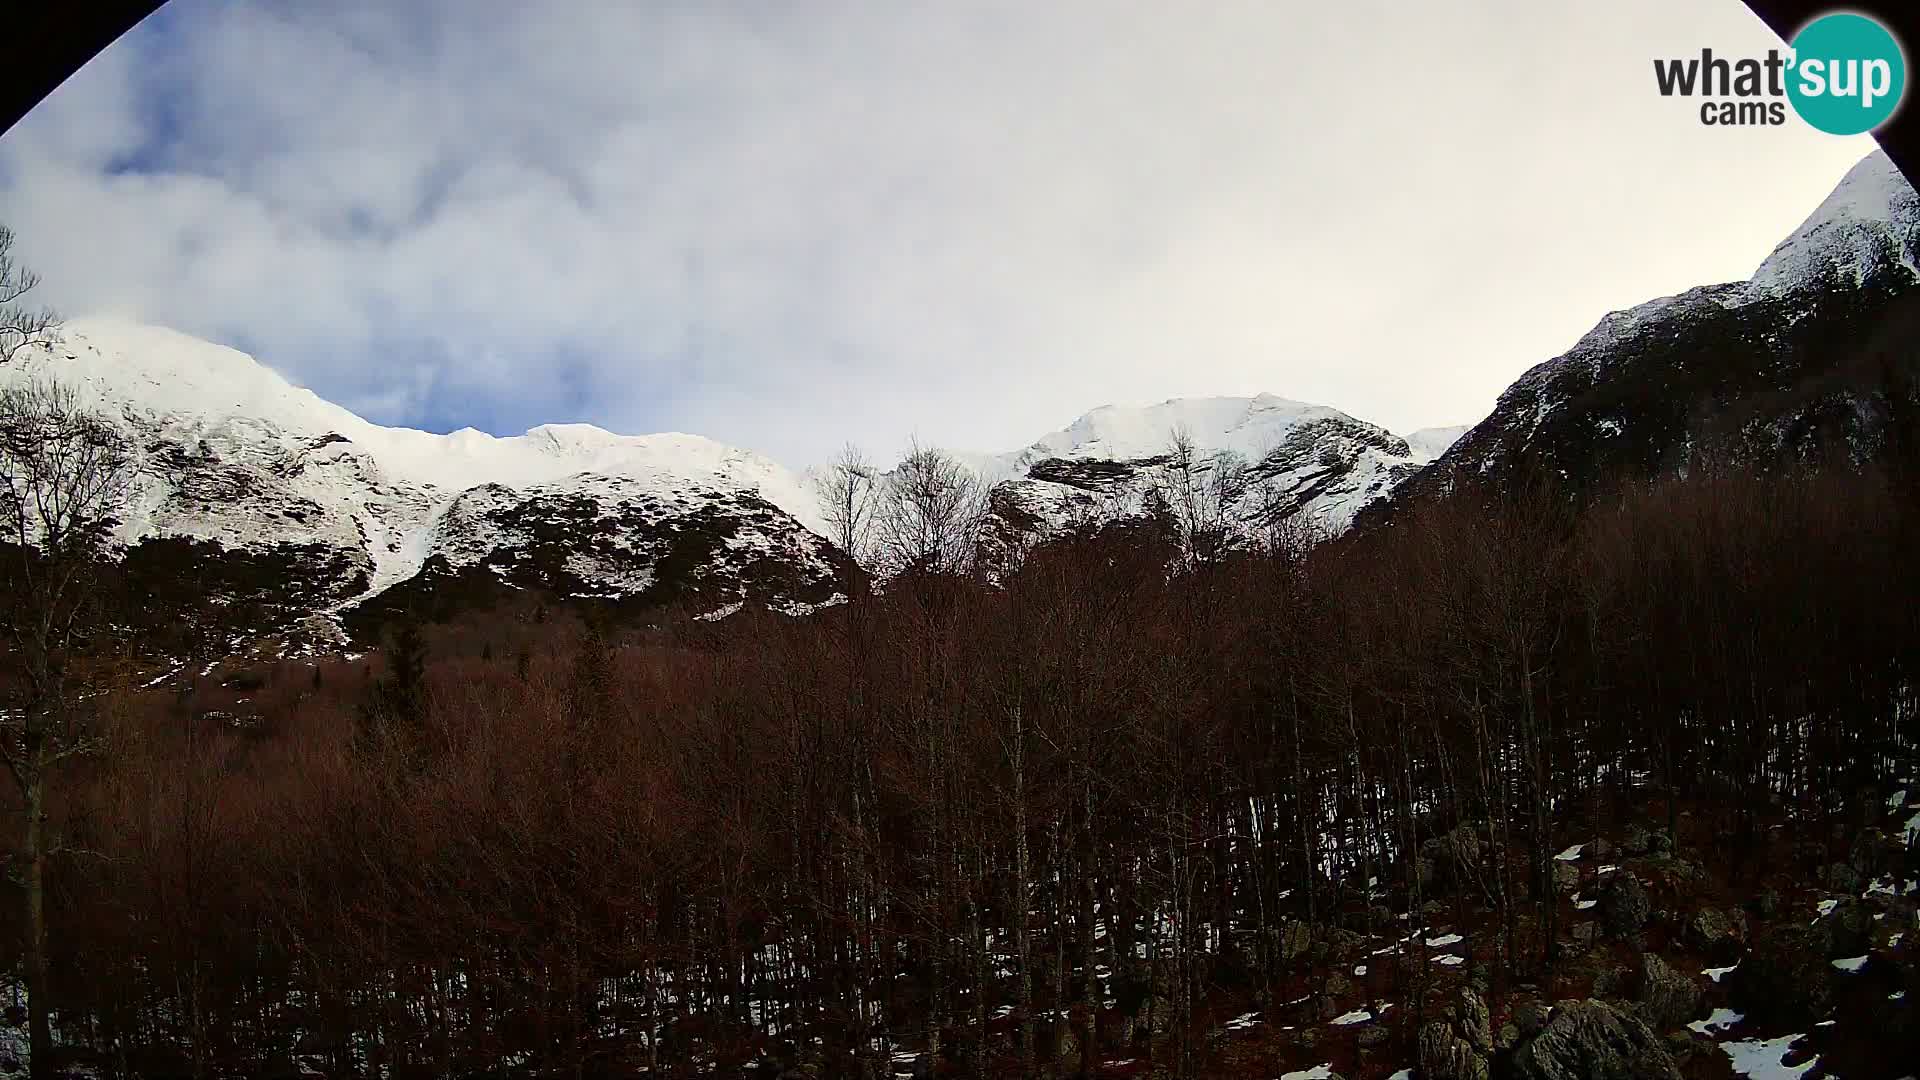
(788, 225)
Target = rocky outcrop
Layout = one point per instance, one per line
(1444, 1055)
(1592, 1040)
(1624, 905)
(1714, 930)
(1786, 366)
(1848, 929)
(1456, 857)
(1457, 1048)
(1667, 997)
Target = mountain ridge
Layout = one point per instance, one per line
(232, 453)
(235, 454)
(1748, 370)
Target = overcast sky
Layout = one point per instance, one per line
(789, 224)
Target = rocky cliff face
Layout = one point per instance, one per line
(1815, 356)
(1259, 462)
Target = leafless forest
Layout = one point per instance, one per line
(1076, 810)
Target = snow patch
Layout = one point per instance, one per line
(1720, 1021)
(1763, 1059)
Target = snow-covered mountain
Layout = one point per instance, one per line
(1814, 356)
(230, 452)
(1809, 355)
(1287, 460)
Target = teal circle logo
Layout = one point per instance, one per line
(1848, 74)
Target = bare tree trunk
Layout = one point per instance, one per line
(1022, 888)
(40, 1030)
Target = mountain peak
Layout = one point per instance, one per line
(1866, 225)
(1247, 425)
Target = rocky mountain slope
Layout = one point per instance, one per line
(1260, 460)
(1814, 356)
(319, 510)
(298, 505)
(330, 510)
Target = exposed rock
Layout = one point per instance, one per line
(1682, 873)
(1446, 1056)
(1608, 982)
(1715, 930)
(1476, 1021)
(1624, 905)
(1684, 1044)
(1456, 857)
(1667, 998)
(1849, 929)
(1344, 941)
(1530, 1015)
(1682, 362)
(1479, 976)
(1840, 878)
(1566, 877)
(1591, 1040)
(1296, 938)
(1872, 853)
(1784, 978)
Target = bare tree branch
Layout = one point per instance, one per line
(21, 324)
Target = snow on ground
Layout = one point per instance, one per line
(1716, 974)
(1571, 853)
(1762, 1059)
(1848, 232)
(1849, 964)
(1244, 1021)
(1721, 1020)
(1318, 1072)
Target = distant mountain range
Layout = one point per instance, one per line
(233, 455)
(1808, 356)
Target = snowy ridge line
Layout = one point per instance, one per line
(233, 453)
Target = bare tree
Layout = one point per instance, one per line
(930, 512)
(849, 495)
(21, 324)
(63, 471)
(1202, 493)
